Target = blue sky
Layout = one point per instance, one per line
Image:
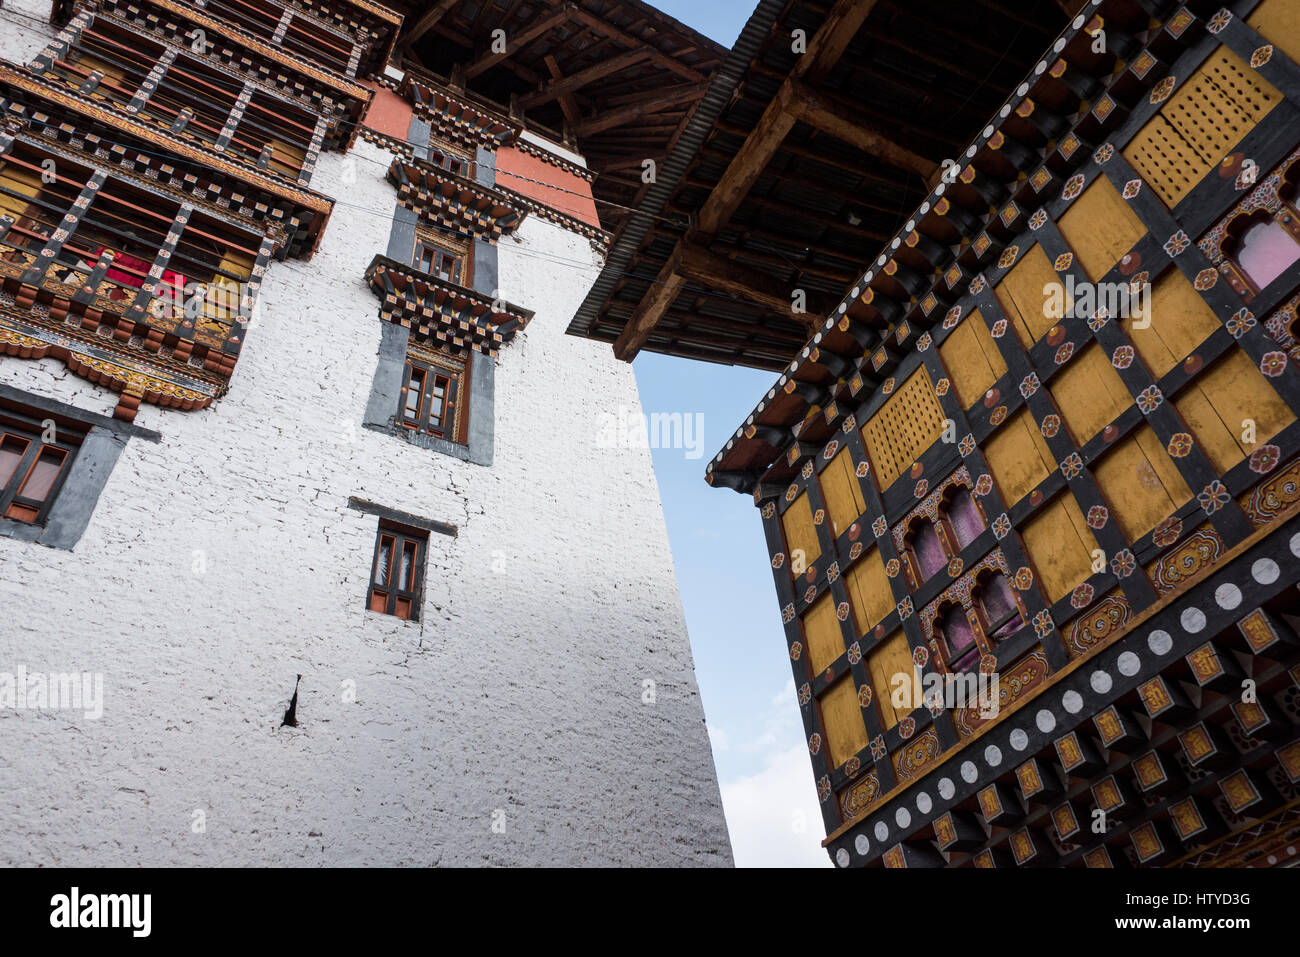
(726, 586)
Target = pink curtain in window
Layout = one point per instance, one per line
(1266, 251)
(995, 595)
(964, 518)
(962, 650)
(928, 550)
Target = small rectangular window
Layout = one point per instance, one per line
(397, 572)
(35, 458)
(439, 263)
(433, 394)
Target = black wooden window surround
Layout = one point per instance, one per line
(439, 262)
(35, 458)
(397, 572)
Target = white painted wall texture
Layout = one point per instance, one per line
(224, 561)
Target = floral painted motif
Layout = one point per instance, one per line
(1122, 357)
(878, 749)
(977, 285)
(1261, 56)
(1123, 564)
(815, 743)
(1063, 262)
(905, 609)
(864, 695)
(832, 447)
(855, 653)
(1008, 257)
(906, 728)
(1160, 92)
(999, 329)
(1265, 459)
(778, 559)
(998, 415)
(1071, 465)
(878, 527)
(1213, 497)
(966, 446)
(855, 551)
(892, 568)
(1103, 154)
(954, 567)
(920, 656)
(1242, 320)
(952, 318)
(823, 789)
(842, 611)
(809, 594)
(796, 650)
(984, 484)
(1273, 364)
(1098, 319)
(1206, 279)
(1180, 444)
(769, 510)
(1038, 220)
(1029, 384)
(1081, 597)
(819, 516)
(1043, 623)
(921, 488)
(863, 468)
(807, 470)
(1001, 526)
(791, 492)
(1217, 22)
(1073, 186)
(848, 424)
(1098, 516)
(1177, 243)
(1167, 532)
(941, 387)
(1149, 399)
(852, 766)
(805, 693)
(787, 615)
(1050, 425)
(1063, 354)
(1024, 578)
(1132, 188)
(888, 387)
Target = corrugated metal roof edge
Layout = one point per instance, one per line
(669, 178)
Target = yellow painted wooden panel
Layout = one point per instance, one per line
(843, 494)
(1089, 393)
(1018, 457)
(972, 359)
(1180, 321)
(19, 180)
(1101, 228)
(909, 422)
(892, 657)
(800, 533)
(1205, 118)
(869, 592)
(1278, 21)
(1218, 401)
(1021, 294)
(1140, 484)
(1060, 544)
(821, 632)
(846, 732)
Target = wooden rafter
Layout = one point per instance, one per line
(821, 112)
(575, 81)
(426, 22)
(824, 51)
(608, 119)
(516, 42)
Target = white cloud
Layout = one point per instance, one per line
(773, 815)
(717, 737)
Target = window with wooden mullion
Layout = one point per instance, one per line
(431, 399)
(32, 471)
(397, 572)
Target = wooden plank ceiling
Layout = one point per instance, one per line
(616, 79)
(812, 164)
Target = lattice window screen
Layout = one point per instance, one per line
(906, 425)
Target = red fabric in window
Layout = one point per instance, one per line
(131, 279)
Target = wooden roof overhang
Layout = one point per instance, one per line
(266, 65)
(1017, 162)
(374, 24)
(455, 202)
(615, 79)
(457, 117)
(443, 312)
(798, 164)
(291, 215)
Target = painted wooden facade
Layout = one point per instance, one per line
(1051, 435)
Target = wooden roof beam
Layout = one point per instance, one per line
(515, 43)
(824, 50)
(835, 119)
(575, 81)
(763, 289)
(667, 62)
(608, 119)
(426, 22)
